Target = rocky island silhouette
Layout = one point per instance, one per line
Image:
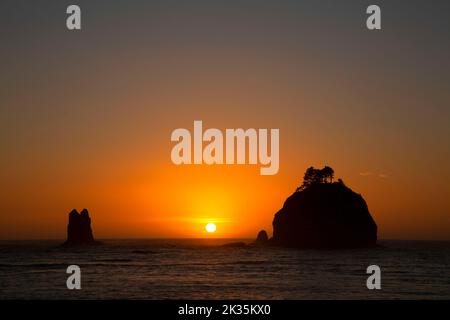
(79, 231)
(322, 214)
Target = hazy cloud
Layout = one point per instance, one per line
(370, 173)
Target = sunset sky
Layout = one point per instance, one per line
(86, 116)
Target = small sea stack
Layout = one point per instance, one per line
(262, 239)
(79, 231)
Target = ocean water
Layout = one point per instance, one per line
(204, 269)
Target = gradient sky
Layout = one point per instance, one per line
(86, 116)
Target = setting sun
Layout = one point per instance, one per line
(210, 227)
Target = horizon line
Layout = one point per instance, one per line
(198, 238)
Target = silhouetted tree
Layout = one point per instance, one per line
(327, 174)
(314, 176)
(310, 176)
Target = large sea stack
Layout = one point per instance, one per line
(79, 231)
(323, 214)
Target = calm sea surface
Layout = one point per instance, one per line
(203, 269)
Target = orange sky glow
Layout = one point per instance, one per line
(86, 118)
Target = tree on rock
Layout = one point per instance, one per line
(323, 214)
(327, 174)
(315, 176)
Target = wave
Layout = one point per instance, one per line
(101, 263)
(114, 260)
(144, 252)
(241, 262)
(34, 265)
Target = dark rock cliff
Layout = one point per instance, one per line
(324, 216)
